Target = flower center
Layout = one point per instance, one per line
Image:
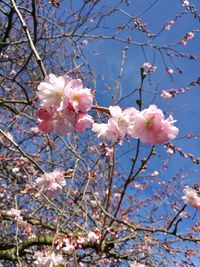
(149, 123)
(77, 97)
(122, 122)
(58, 93)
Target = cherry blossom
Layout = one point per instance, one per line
(51, 184)
(165, 94)
(167, 26)
(186, 3)
(191, 197)
(64, 105)
(109, 152)
(188, 36)
(15, 214)
(80, 99)
(48, 259)
(93, 237)
(149, 67)
(102, 131)
(64, 122)
(170, 71)
(151, 127)
(137, 264)
(51, 91)
(83, 121)
(118, 124)
(45, 115)
(68, 247)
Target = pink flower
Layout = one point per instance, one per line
(166, 95)
(182, 42)
(186, 3)
(137, 264)
(93, 237)
(84, 42)
(51, 91)
(63, 99)
(191, 197)
(51, 184)
(189, 35)
(83, 121)
(118, 124)
(64, 121)
(45, 115)
(109, 152)
(14, 213)
(170, 71)
(167, 26)
(67, 246)
(151, 127)
(80, 99)
(46, 126)
(48, 259)
(149, 67)
(102, 130)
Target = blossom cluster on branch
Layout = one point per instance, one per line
(64, 107)
(51, 184)
(149, 125)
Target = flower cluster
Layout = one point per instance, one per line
(191, 197)
(169, 93)
(166, 95)
(15, 214)
(48, 259)
(64, 105)
(187, 37)
(51, 184)
(117, 126)
(70, 242)
(93, 237)
(149, 125)
(137, 264)
(167, 26)
(149, 67)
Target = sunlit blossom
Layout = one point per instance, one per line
(118, 124)
(51, 91)
(151, 127)
(170, 71)
(165, 94)
(15, 214)
(48, 259)
(51, 184)
(83, 121)
(63, 102)
(191, 197)
(186, 3)
(149, 67)
(167, 26)
(79, 98)
(93, 237)
(137, 264)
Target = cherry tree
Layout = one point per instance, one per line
(99, 133)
